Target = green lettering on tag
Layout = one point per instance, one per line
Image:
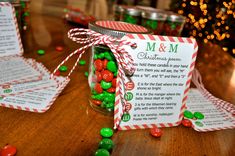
(150, 47)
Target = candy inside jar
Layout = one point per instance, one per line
(174, 24)
(132, 15)
(103, 78)
(103, 71)
(153, 21)
(118, 13)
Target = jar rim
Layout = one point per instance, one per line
(154, 15)
(132, 11)
(176, 18)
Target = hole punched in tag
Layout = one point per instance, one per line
(134, 46)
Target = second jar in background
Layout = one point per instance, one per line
(153, 21)
(174, 24)
(132, 15)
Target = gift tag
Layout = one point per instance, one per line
(15, 69)
(10, 41)
(156, 94)
(47, 81)
(214, 118)
(35, 101)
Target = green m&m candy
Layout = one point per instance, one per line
(82, 62)
(105, 85)
(115, 74)
(108, 99)
(41, 52)
(7, 91)
(96, 56)
(63, 68)
(86, 74)
(198, 115)
(106, 132)
(111, 65)
(106, 144)
(98, 96)
(102, 152)
(199, 124)
(110, 106)
(111, 96)
(101, 56)
(188, 114)
(108, 56)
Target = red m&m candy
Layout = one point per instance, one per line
(105, 63)
(114, 82)
(98, 65)
(8, 150)
(107, 75)
(98, 88)
(156, 132)
(57, 73)
(111, 90)
(59, 48)
(186, 123)
(98, 76)
(97, 102)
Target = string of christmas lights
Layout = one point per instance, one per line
(209, 20)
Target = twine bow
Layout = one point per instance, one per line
(124, 60)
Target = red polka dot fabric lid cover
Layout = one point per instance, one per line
(122, 26)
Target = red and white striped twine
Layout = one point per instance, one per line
(124, 60)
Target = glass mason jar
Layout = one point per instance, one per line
(103, 68)
(25, 13)
(174, 24)
(153, 21)
(132, 15)
(118, 13)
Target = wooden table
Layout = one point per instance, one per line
(71, 127)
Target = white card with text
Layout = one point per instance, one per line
(14, 68)
(10, 42)
(45, 82)
(215, 118)
(157, 92)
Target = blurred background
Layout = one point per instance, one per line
(209, 21)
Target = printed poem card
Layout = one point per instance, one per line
(215, 118)
(156, 94)
(10, 42)
(24, 83)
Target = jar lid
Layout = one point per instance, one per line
(154, 15)
(132, 11)
(176, 17)
(117, 29)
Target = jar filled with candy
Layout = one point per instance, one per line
(174, 24)
(132, 15)
(118, 13)
(103, 69)
(153, 21)
(25, 13)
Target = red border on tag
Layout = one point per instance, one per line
(118, 116)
